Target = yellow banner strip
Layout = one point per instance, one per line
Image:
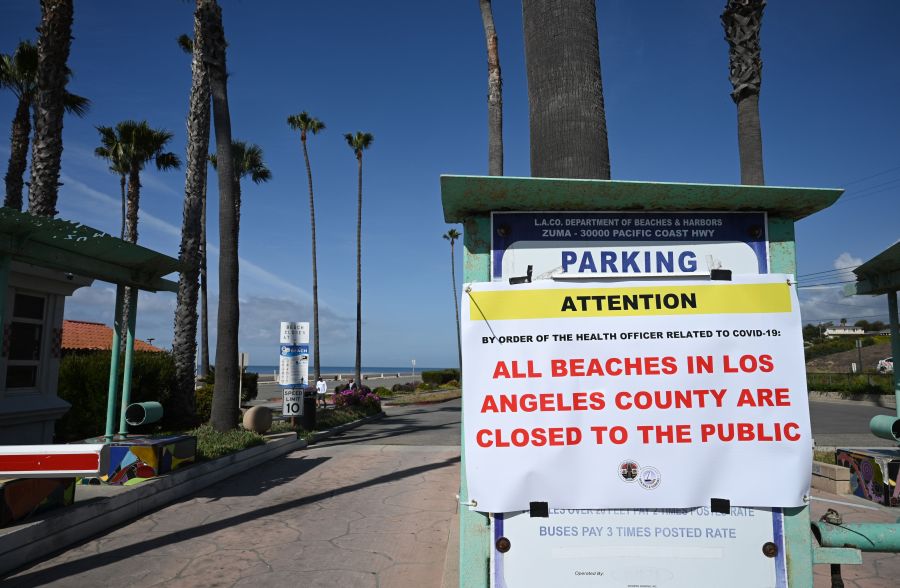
(638, 301)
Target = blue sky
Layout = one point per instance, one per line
(414, 75)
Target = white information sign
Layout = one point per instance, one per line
(293, 402)
(635, 395)
(293, 363)
(672, 548)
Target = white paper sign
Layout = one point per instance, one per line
(635, 395)
(293, 363)
(293, 333)
(675, 548)
(293, 402)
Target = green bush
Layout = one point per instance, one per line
(212, 444)
(829, 346)
(451, 384)
(383, 392)
(426, 387)
(84, 383)
(850, 383)
(203, 402)
(438, 377)
(408, 387)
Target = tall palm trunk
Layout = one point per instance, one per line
(122, 183)
(204, 304)
(184, 345)
(315, 272)
(225, 395)
(456, 305)
(46, 150)
(495, 92)
(565, 92)
(18, 155)
(134, 198)
(358, 365)
(742, 20)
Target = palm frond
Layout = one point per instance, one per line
(167, 160)
(75, 104)
(186, 43)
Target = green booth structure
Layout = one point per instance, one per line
(498, 245)
(43, 260)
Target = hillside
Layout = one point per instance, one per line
(840, 362)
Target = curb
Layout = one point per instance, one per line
(60, 529)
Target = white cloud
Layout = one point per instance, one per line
(257, 275)
(845, 260)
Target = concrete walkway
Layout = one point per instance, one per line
(366, 514)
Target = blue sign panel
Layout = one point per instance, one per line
(627, 244)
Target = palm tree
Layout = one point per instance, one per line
(359, 142)
(452, 235)
(224, 408)
(247, 160)
(54, 41)
(193, 247)
(495, 92)
(307, 124)
(565, 90)
(742, 20)
(134, 144)
(113, 150)
(18, 73)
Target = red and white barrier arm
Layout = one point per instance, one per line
(53, 461)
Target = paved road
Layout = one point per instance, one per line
(371, 509)
(843, 423)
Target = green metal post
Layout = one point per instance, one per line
(4, 284)
(862, 536)
(129, 357)
(114, 366)
(895, 341)
(474, 527)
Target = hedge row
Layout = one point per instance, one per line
(439, 377)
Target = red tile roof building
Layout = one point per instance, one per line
(87, 336)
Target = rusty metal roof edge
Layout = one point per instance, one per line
(466, 195)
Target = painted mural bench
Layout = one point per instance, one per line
(139, 458)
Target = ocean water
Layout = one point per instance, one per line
(268, 369)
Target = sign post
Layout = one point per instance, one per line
(603, 234)
(293, 375)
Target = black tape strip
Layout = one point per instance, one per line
(539, 509)
(720, 505)
(720, 274)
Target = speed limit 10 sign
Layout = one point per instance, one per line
(293, 402)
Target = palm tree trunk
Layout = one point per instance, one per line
(122, 184)
(184, 344)
(225, 394)
(565, 91)
(456, 305)
(46, 150)
(495, 92)
(204, 305)
(358, 364)
(742, 20)
(315, 273)
(750, 141)
(18, 155)
(133, 197)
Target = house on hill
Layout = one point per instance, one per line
(843, 330)
(81, 336)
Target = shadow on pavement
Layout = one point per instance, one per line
(66, 569)
(266, 476)
(398, 426)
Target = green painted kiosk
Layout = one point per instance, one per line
(510, 225)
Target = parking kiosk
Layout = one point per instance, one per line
(520, 228)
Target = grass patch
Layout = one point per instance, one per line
(824, 457)
(432, 397)
(850, 383)
(212, 444)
